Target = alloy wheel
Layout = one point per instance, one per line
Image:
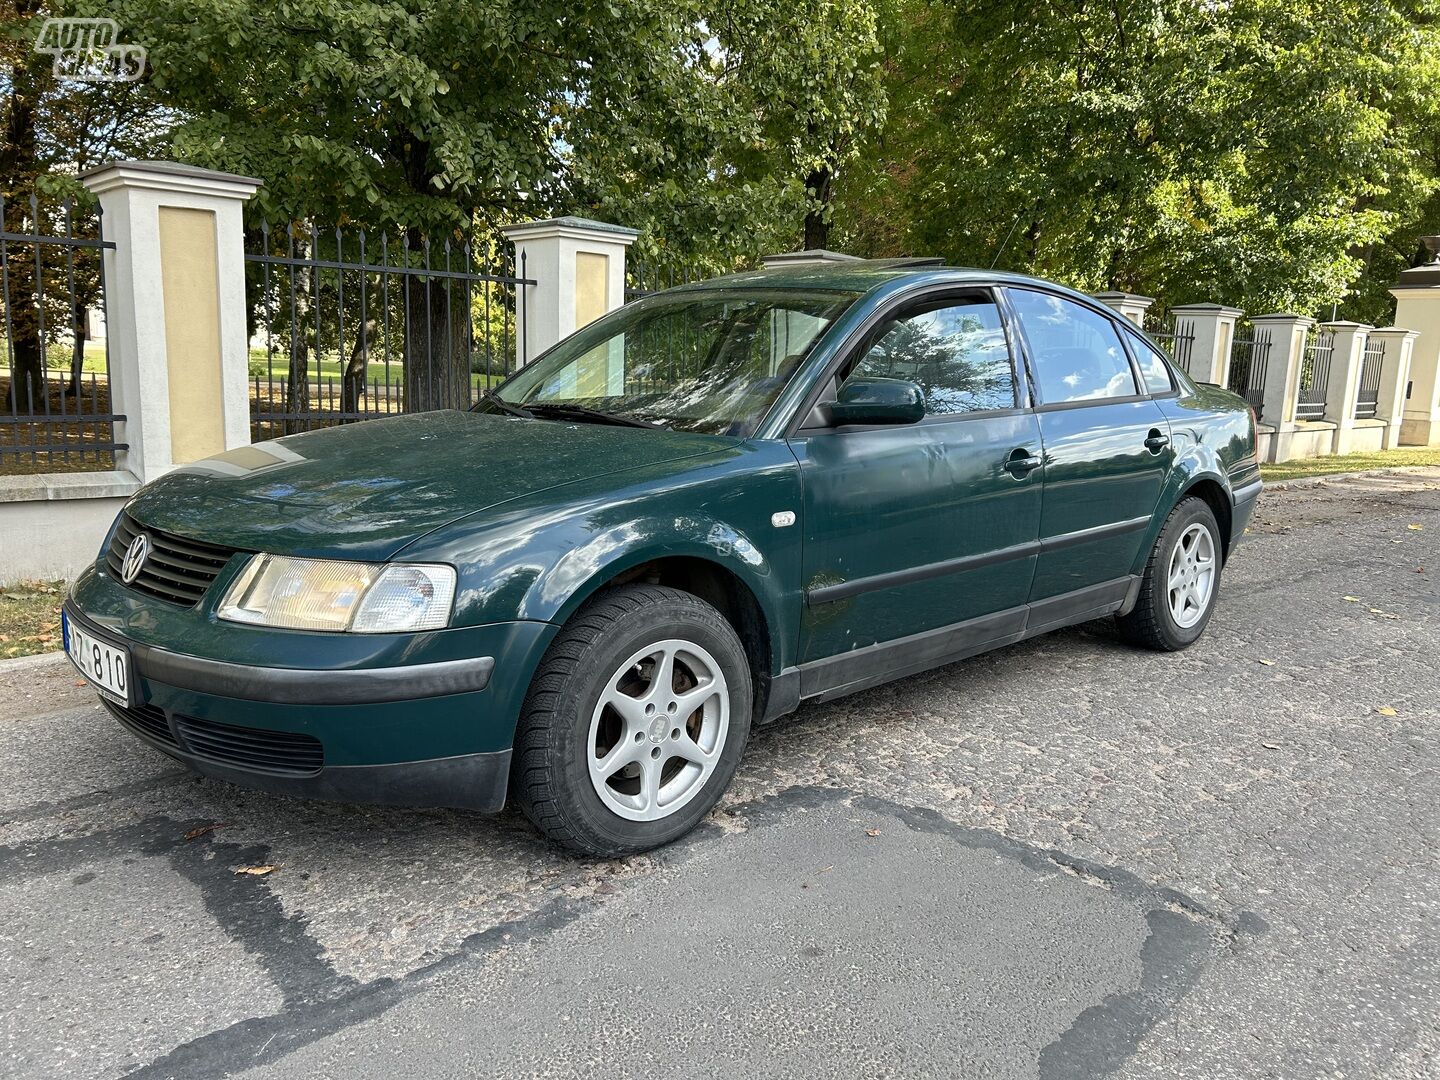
(658, 730)
(1191, 580)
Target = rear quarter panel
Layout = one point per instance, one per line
(1213, 435)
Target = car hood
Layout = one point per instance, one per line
(364, 491)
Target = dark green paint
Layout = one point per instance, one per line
(537, 515)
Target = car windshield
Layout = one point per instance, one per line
(710, 361)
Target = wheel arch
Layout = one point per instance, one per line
(708, 579)
(1217, 498)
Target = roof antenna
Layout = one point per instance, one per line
(1001, 249)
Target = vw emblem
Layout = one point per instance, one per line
(135, 556)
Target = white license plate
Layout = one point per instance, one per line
(106, 666)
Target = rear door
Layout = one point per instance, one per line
(1107, 454)
(914, 527)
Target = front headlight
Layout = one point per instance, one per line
(324, 594)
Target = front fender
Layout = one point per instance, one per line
(541, 557)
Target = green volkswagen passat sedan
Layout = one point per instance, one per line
(680, 522)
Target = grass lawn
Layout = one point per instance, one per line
(30, 617)
(1380, 459)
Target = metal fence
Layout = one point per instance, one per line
(1175, 335)
(1367, 398)
(1314, 375)
(643, 278)
(353, 326)
(1249, 356)
(55, 408)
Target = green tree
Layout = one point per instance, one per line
(1257, 153)
(54, 129)
(455, 116)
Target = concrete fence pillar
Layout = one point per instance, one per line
(175, 296)
(1130, 305)
(1394, 379)
(1212, 333)
(1417, 305)
(578, 267)
(1286, 334)
(1342, 385)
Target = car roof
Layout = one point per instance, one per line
(868, 275)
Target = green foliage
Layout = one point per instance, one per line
(1265, 153)
(691, 120)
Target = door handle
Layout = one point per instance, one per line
(1157, 441)
(1021, 463)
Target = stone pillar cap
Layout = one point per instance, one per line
(168, 176)
(1121, 296)
(569, 226)
(1206, 309)
(809, 255)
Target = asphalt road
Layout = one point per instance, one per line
(1063, 859)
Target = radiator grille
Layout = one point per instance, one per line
(144, 720)
(285, 752)
(177, 570)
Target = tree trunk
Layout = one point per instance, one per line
(352, 379)
(80, 331)
(18, 166)
(817, 222)
(297, 388)
(437, 346)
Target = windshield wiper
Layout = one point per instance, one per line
(504, 406)
(586, 414)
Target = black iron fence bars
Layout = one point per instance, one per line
(1367, 398)
(1314, 375)
(55, 405)
(1173, 334)
(1249, 357)
(354, 326)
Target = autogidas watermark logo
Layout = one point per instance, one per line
(89, 50)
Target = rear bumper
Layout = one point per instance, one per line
(1245, 498)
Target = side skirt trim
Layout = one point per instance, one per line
(836, 676)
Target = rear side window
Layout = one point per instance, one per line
(1076, 352)
(1152, 364)
(954, 350)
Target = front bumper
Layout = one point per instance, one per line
(417, 720)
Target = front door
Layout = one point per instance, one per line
(1107, 455)
(916, 527)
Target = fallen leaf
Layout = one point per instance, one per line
(1386, 710)
(1267, 663)
(1351, 599)
(256, 871)
(872, 832)
(195, 834)
(1270, 745)
(1415, 528)
(1376, 611)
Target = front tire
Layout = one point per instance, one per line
(635, 722)
(1181, 582)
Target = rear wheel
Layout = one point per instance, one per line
(1181, 582)
(635, 722)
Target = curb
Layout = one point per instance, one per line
(1315, 481)
(22, 663)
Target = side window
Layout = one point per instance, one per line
(1152, 365)
(955, 351)
(1076, 352)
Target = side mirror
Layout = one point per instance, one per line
(878, 401)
